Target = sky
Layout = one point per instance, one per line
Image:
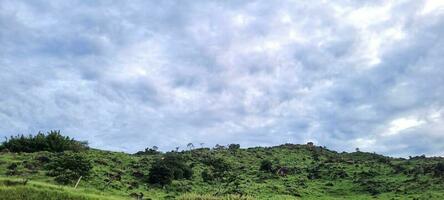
(125, 75)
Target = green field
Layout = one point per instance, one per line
(283, 172)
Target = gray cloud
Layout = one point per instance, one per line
(126, 75)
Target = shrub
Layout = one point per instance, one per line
(207, 175)
(29, 165)
(374, 187)
(12, 166)
(218, 169)
(53, 141)
(68, 167)
(439, 169)
(43, 159)
(171, 167)
(219, 165)
(266, 166)
(160, 174)
(12, 169)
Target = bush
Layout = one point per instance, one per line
(12, 166)
(43, 159)
(218, 169)
(439, 169)
(219, 165)
(160, 174)
(53, 141)
(12, 169)
(207, 175)
(266, 166)
(169, 168)
(68, 167)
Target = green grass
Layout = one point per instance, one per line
(356, 175)
(13, 189)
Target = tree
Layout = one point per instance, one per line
(439, 169)
(53, 141)
(266, 166)
(160, 174)
(190, 146)
(219, 147)
(149, 151)
(171, 167)
(233, 147)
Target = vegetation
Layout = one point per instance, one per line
(53, 141)
(288, 171)
(168, 168)
(266, 166)
(149, 151)
(12, 189)
(67, 167)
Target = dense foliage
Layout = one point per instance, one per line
(168, 168)
(68, 167)
(266, 166)
(217, 169)
(53, 141)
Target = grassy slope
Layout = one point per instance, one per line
(13, 189)
(367, 176)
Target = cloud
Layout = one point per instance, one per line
(398, 125)
(125, 76)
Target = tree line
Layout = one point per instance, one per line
(52, 141)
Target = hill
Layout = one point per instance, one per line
(289, 171)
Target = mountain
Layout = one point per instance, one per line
(289, 171)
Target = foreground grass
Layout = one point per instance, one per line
(14, 189)
(30, 193)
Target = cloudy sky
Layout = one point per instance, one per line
(126, 75)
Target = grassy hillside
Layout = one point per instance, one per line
(297, 171)
(282, 172)
(13, 189)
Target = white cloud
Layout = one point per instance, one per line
(433, 6)
(401, 124)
